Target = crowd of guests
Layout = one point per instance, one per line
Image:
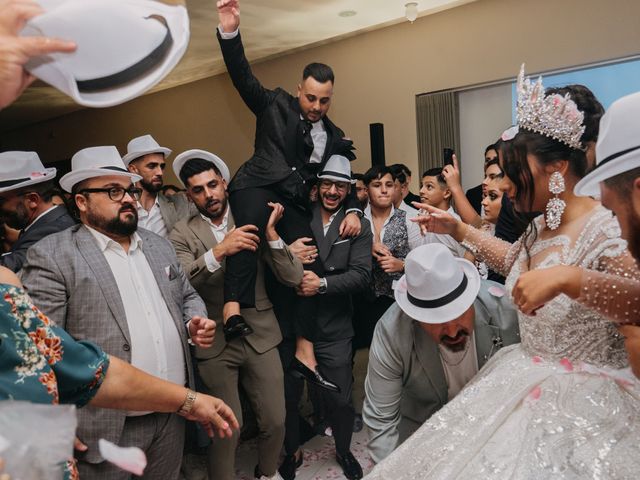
(149, 306)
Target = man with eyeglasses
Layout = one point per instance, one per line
(26, 203)
(124, 289)
(346, 269)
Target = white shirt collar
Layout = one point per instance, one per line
(223, 225)
(105, 242)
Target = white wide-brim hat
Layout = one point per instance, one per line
(141, 146)
(125, 47)
(96, 162)
(618, 146)
(337, 169)
(21, 169)
(181, 159)
(437, 287)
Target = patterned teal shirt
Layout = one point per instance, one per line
(40, 362)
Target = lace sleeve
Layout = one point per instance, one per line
(611, 278)
(496, 253)
(614, 291)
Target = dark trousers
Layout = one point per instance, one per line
(333, 358)
(249, 207)
(367, 311)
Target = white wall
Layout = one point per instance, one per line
(484, 114)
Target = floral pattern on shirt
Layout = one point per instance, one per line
(42, 363)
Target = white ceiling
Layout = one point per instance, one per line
(270, 28)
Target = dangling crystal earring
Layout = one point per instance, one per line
(555, 206)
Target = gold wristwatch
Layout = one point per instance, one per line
(186, 407)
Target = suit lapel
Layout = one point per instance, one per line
(331, 136)
(429, 357)
(291, 135)
(98, 264)
(332, 235)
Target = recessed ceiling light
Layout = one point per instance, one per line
(347, 13)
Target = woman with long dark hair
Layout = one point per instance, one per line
(561, 404)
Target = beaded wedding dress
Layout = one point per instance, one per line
(560, 405)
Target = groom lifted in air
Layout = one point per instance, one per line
(293, 141)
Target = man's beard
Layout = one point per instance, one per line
(457, 347)
(150, 187)
(331, 210)
(115, 226)
(209, 203)
(18, 219)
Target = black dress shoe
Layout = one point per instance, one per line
(357, 423)
(236, 327)
(301, 370)
(289, 466)
(350, 466)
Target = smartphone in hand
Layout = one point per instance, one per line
(447, 157)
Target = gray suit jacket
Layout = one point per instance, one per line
(174, 208)
(70, 280)
(347, 268)
(405, 381)
(192, 238)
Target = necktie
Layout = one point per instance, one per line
(307, 140)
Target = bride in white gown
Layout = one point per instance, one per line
(561, 405)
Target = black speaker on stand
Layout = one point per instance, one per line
(376, 133)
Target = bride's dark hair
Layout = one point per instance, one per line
(514, 164)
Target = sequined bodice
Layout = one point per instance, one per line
(563, 327)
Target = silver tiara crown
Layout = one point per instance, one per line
(554, 116)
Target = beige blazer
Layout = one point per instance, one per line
(192, 238)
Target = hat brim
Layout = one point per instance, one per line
(447, 312)
(72, 178)
(130, 157)
(589, 186)
(49, 174)
(52, 68)
(181, 159)
(335, 179)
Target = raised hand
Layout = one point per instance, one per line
(214, 415)
(229, 15)
(240, 238)
(432, 219)
(277, 211)
(306, 253)
(16, 51)
(451, 174)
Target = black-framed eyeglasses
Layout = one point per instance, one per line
(115, 193)
(325, 183)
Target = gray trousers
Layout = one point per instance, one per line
(262, 378)
(159, 435)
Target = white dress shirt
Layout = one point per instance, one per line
(156, 347)
(319, 137)
(447, 240)
(152, 220)
(411, 212)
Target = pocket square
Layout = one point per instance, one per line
(341, 241)
(171, 272)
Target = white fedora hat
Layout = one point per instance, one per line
(618, 146)
(95, 162)
(141, 146)
(181, 159)
(21, 169)
(337, 169)
(437, 287)
(125, 47)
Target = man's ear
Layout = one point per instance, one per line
(81, 202)
(32, 199)
(447, 193)
(132, 168)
